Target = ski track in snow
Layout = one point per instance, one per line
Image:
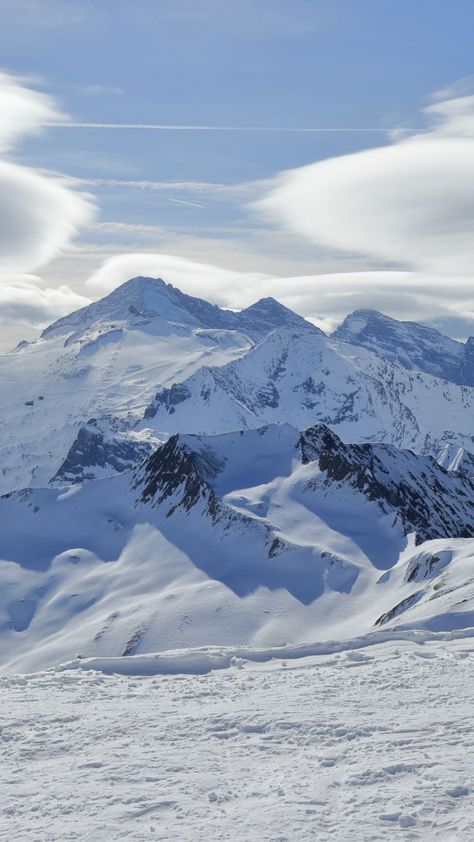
(368, 744)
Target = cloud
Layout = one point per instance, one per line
(38, 217)
(23, 302)
(22, 110)
(39, 214)
(224, 286)
(410, 203)
(325, 299)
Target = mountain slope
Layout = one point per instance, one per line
(302, 378)
(107, 361)
(411, 345)
(254, 538)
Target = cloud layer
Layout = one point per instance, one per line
(411, 202)
(23, 301)
(39, 214)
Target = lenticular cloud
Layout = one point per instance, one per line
(410, 203)
(38, 213)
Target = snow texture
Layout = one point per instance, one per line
(373, 740)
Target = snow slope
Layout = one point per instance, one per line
(125, 534)
(258, 538)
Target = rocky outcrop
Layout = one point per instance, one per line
(97, 451)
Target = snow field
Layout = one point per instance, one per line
(363, 744)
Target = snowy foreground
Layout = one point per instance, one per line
(370, 739)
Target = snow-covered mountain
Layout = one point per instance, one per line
(107, 361)
(302, 377)
(157, 306)
(179, 475)
(247, 538)
(411, 345)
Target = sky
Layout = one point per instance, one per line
(321, 151)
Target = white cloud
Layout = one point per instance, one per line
(23, 302)
(411, 202)
(38, 217)
(39, 214)
(22, 110)
(224, 286)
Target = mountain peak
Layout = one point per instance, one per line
(408, 344)
(270, 314)
(142, 300)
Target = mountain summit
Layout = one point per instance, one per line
(143, 302)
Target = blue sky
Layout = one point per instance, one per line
(290, 64)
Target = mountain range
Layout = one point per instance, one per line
(176, 474)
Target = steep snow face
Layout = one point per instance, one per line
(467, 373)
(417, 494)
(302, 378)
(266, 315)
(409, 344)
(197, 549)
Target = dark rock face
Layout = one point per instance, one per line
(314, 441)
(421, 496)
(173, 474)
(168, 398)
(399, 609)
(93, 448)
(427, 499)
(178, 478)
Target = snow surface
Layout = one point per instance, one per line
(368, 741)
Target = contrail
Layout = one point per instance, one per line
(164, 127)
(184, 202)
